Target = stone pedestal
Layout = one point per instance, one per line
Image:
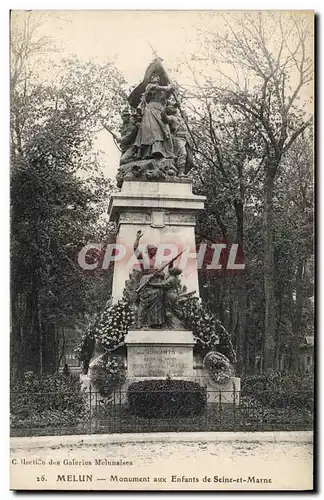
(159, 354)
(221, 393)
(224, 393)
(165, 212)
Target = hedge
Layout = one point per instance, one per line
(166, 398)
(52, 400)
(280, 390)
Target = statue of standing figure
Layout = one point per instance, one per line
(154, 135)
(153, 138)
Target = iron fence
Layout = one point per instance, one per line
(221, 411)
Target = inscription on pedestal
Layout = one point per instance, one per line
(159, 361)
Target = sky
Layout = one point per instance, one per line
(127, 38)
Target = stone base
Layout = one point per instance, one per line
(140, 195)
(159, 354)
(221, 393)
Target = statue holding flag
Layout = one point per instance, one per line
(159, 149)
(153, 138)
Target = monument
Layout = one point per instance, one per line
(155, 214)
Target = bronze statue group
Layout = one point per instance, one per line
(156, 297)
(154, 135)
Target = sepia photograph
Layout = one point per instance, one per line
(162, 254)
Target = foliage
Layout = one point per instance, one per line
(47, 401)
(108, 329)
(107, 374)
(206, 328)
(218, 367)
(166, 398)
(277, 390)
(250, 131)
(113, 324)
(50, 217)
(256, 416)
(56, 203)
(249, 113)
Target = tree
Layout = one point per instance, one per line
(227, 167)
(294, 247)
(265, 60)
(57, 196)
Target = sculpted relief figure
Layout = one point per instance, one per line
(148, 304)
(160, 297)
(179, 135)
(147, 257)
(167, 290)
(128, 132)
(154, 295)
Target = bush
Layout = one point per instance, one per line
(51, 400)
(166, 398)
(277, 390)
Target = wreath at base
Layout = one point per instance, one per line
(218, 367)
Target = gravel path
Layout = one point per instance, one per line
(228, 465)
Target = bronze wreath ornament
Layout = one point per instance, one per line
(218, 367)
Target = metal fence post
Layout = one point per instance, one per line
(90, 409)
(220, 409)
(234, 407)
(112, 428)
(120, 410)
(206, 407)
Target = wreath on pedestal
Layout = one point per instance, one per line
(218, 367)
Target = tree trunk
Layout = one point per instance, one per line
(31, 333)
(15, 337)
(240, 290)
(241, 353)
(50, 348)
(278, 352)
(298, 309)
(269, 281)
